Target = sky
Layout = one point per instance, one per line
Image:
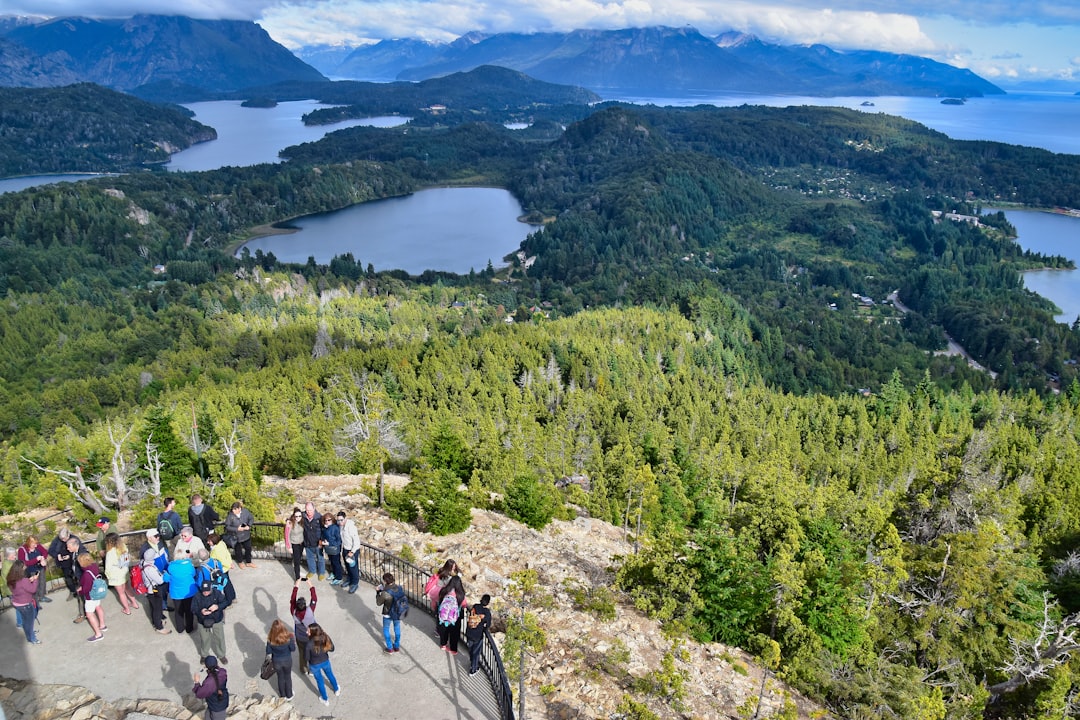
(1004, 41)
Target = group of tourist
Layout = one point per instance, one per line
(190, 577)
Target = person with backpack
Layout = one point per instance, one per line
(219, 552)
(438, 581)
(208, 607)
(319, 648)
(350, 549)
(213, 689)
(93, 589)
(451, 600)
(169, 521)
(201, 517)
(475, 627)
(154, 562)
(303, 615)
(395, 606)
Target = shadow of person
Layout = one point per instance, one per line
(177, 674)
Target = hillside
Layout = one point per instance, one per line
(211, 55)
(87, 128)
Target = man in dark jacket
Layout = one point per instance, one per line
(478, 623)
(312, 522)
(201, 517)
(208, 607)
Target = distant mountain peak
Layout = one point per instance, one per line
(734, 38)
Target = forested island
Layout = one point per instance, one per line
(702, 334)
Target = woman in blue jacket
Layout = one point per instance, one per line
(331, 544)
(180, 574)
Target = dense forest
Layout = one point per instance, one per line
(88, 128)
(702, 335)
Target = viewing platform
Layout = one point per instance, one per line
(133, 661)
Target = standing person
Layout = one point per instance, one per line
(208, 606)
(438, 581)
(331, 542)
(213, 690)
(75, 549)
(280, 645)
(303, 615)
(154, 559)
(294, 539)
(169, 521)
(117, 571)
(350, 549)
(35, 557)
(24, 598)
(64, 559)
(312, 522)
(180, 575)
(478, 624)
(103, 525)
(451, 600)
(187, 545)
(319, 648)
(201, 517)
(95, 613)
(395, 603)
(238, 524)
(219, 551)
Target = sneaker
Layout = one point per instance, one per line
(352, 589)
(473, 672)
(337, 692)
(334, 581)
(322, 577)
(453, 652)
(105, 628)
(325, 701)
(310, 575)
(388, 651)
(46, 599)
(79, 619)
(223, 660)
(164, 631)
(397, 649)
(35, 641)
(288, 697)
(95, 638)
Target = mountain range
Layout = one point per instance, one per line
(181, 59)
(662, 61)
(212, 55)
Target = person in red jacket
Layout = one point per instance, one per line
(303, 615)
(35, 557)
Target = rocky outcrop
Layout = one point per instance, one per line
(590, 661)
(28, 701)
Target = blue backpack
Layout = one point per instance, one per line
(400, 608)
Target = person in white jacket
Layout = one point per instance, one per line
(350, 549)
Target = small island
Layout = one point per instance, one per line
(953, 101)
(259, 102)
(866, 103)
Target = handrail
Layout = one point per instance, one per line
(373, 562)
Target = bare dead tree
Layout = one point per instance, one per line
(123, 468)
(367, 422)
(230, 449)
(153, 467)
(1055, 643)
(80, 489)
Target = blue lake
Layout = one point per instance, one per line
(1051, 234)
(449, 229)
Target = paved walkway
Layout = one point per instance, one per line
(133, 661)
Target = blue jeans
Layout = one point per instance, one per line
(27, 614)
(317, 671)
(316, 563)
(386, 622)
(353, 571)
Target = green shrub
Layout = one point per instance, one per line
(529, 501)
